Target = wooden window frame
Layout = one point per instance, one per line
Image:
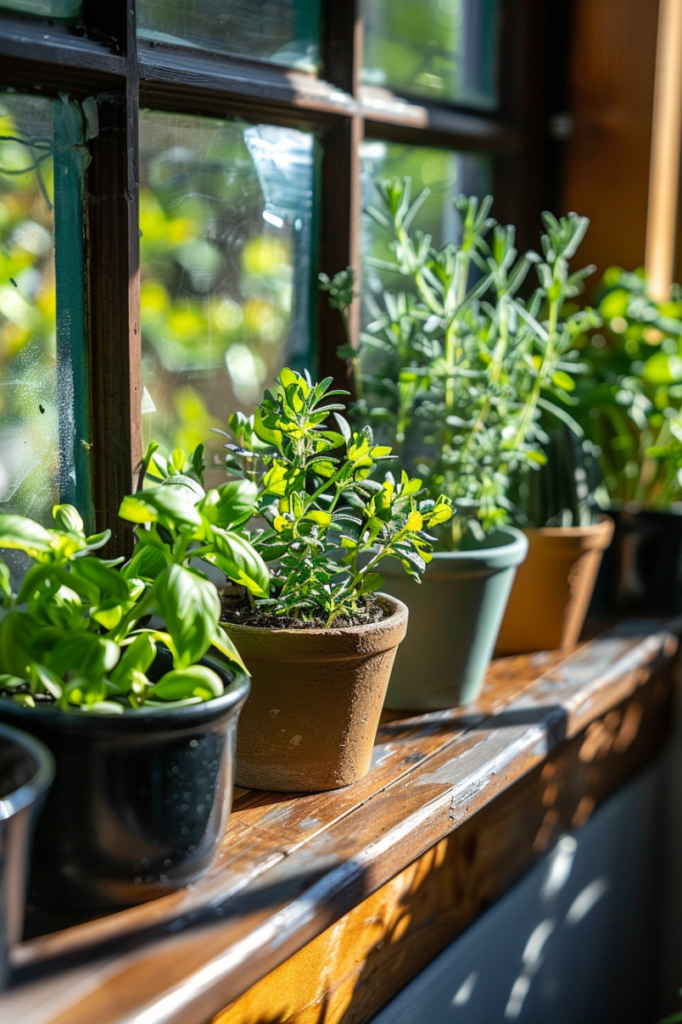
(103, 58)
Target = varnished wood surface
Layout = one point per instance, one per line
(292, 867)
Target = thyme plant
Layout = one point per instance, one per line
(457, 367)
(329, 521)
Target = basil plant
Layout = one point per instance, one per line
(329, 521)
(79, 633)
(456, 368)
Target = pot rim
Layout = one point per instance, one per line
(30, 791)
(236, 690)
(398, 613)
(515, 545)
(604, 526)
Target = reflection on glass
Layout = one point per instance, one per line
(225, 216)
(444, 173)
(44, 8)
(283, 31)
(33, 473)
(440, 49)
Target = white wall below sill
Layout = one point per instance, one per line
(573, 943)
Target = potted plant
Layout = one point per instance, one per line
(320, 648)
(26, 771)
(140, 722)
(630, 408)
(456, 368)
(567, 536)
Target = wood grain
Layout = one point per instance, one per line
(606, 174)
(291, 867)
(355, 967)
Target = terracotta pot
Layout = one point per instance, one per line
(316, 697)
(455, 616)
(553, 587)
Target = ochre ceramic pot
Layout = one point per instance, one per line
(455, 616)
(316, 697)
(553, 587)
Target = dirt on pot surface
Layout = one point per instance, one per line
(238, 611)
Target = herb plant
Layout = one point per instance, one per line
(631, 397)
(458, 367)
(77, 633)
(329, 521)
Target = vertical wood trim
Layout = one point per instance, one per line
(664, 176)
(113, 278)
(340, 184)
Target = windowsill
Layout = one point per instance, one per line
(549, 739)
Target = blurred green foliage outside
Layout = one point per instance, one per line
(29, 429)
(225, 221)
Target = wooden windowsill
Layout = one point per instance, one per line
(300, 909)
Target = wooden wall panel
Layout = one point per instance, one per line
(606, 171)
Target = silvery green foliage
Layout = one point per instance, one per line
(457, 366)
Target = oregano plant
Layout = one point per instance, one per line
(330, 520)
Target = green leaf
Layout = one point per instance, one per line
(67, 518)
(225, 645)
(190, 607)
(17, 532)
(195, 681)
(240, 561)
(170, 506)
(108, 582)
(319, 517)
(371, 582)
(231, 504)
(563, 380)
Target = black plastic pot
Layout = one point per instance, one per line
(26, 771)
(140, 801)
(642, 570)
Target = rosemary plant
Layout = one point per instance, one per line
(457, 367)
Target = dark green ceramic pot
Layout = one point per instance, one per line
(140, 801)
(455, 616)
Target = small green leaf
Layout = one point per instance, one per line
(194, 681)
(563, 380)
(67, 518)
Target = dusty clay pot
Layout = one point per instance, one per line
(316, 697)
(553, 587)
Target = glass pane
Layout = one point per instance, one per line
(43, 395)
(446, 174)
(226, 219)
(440, 49)
(283, 31)
(44, 8)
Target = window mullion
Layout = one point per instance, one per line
(113, 277)
(340, 186)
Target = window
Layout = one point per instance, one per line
(174, 175)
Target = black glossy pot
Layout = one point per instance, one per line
(26, 771)
(642, 570)
(140, 801)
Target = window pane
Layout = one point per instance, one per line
(440, 49)
(284, 31)
(44, 8)
(226, 220)
(43, 395)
